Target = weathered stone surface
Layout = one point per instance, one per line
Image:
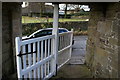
(104, 27)
(73, 72)
(118, 15)
(7, 68)
(113, 41)
(114, 73)
(104, 41)
(115, 26)
(11, 28)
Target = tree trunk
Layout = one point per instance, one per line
(66, 11)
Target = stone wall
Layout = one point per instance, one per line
(102, 44)
(11, 27)
(32, 27)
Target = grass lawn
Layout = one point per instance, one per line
(38, 20)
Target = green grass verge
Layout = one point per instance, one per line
(26, 19)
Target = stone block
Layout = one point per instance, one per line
(6, 57)
(100, 51)
(115, 26)
(100, 55)
(113, 60)
(113, 41)
(89, 55)
(114, 64)
(6, 47)
(118, 15)
(7, 68)
(100, 27)
(114, 73)
(108, 26)
(110, 14)
(104, 27)
(98, 69)
(113, 6)
(109, 49)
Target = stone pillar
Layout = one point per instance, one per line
(11, 28)
(102, 44)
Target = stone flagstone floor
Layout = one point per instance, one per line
(75, 68)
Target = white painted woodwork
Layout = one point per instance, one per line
(42, 62)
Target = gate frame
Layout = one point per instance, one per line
(55, 42)
(55, 32)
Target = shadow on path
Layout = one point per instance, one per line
(73, 71)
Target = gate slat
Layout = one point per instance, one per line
(48, 53)
(42, 59)
(34, 59)
(24, 60)
(63, 42)
(38, 57)
(29, 60)
(51, 61)
(45, 55)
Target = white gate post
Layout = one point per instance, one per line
(18, 59)
(55, 32)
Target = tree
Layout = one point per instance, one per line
(42, 7)
(65, 11)
(70, 7)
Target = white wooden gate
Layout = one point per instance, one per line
(64, 48)
(36, 57)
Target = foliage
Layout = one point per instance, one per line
(78, 27)
(80, 14)
(75, 33)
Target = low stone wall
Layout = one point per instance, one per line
(32, 27)
(102, 44)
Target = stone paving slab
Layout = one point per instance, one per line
(75, 68)
(72, 72)
(79, 50)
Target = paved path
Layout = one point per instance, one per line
(72, 70)
(79, 50)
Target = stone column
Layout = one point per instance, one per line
(11, 28)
